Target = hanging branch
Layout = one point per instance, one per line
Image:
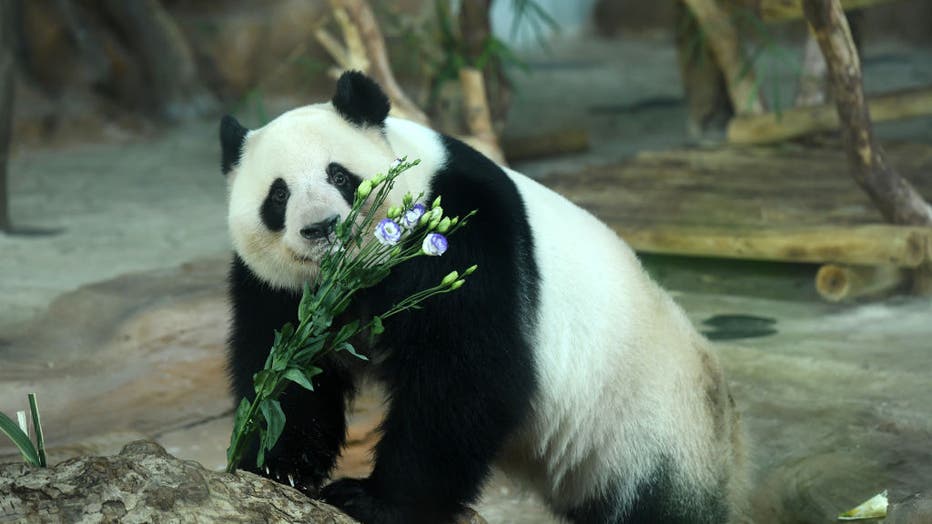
(896, 199)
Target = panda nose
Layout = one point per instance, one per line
(320, 229)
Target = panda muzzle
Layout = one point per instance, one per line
(320, 229)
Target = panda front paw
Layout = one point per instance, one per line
(290, 473)
(354, 497)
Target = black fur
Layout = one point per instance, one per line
(274, 206)
(232, 136)
(348, 188)
(316, 427)
(360, 100)
(657, 500)
(460, 372)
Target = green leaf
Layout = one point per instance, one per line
(14, 433)
(346, 346)
(239, 419)
(37, 427)
(377, 327)
(307, 302)
(298, 377)
(347, 331)
(274, 422)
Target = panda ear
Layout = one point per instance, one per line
(360, 100)
(232, 136)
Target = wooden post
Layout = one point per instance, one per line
(7, 80)
(895, 197)
(722, 37)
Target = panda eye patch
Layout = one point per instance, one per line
(337, 174)
(344, 180)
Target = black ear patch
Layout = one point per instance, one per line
(360, 100)
(232, 136)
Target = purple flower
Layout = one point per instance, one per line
(410, 217)
(388, 232)
(434, 244)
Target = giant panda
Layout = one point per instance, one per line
(560, 361)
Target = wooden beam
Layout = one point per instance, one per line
(783, 10)
(800, 121)
(837, 283)
(869, 245)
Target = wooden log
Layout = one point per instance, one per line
(555, 143)
(870, 245)
(894, 197)
(837, 283)
(722, 36)
(800, 121)
(783, 10)
(7, 81)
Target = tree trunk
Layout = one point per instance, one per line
(174, 88)
(722, 36)
(898, 202)
(703, 81)
(7, 79)
(476, 31)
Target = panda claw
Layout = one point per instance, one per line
(267, 472)
(291, 480)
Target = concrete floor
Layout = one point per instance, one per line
(112, 302)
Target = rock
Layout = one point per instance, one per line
(145, 484)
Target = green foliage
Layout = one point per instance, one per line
(33, 454)
(359, 259)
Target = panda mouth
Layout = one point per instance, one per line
(302, 259)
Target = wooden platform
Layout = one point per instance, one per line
(789, 202)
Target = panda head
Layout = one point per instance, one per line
(292, 179)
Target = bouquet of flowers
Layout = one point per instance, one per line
(361, 256)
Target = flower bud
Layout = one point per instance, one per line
(425, 218)
(444, 225)
(470, 270)
(456, 220)
(456, 285)
(364, 189)
(406, 201)
(450, 278)
(377, 179)
(436, 213)
(395, 252)
(436, 202)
